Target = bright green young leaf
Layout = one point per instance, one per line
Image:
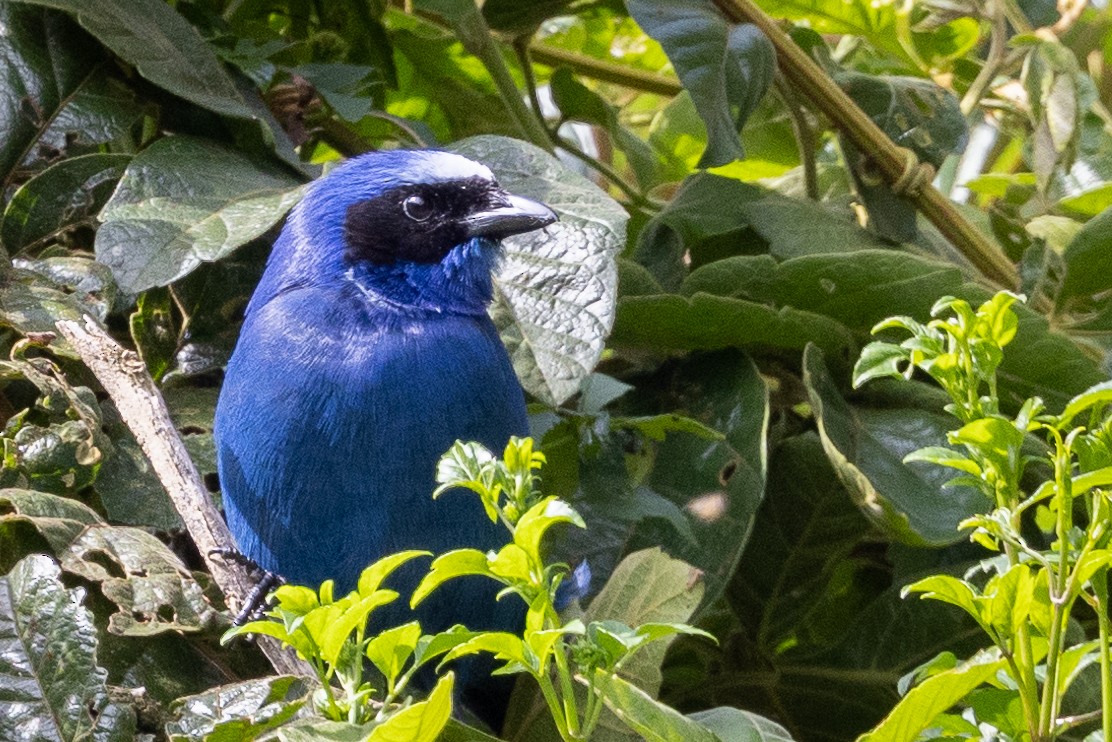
(538, 519)
(333, 635)
(992, 437)
(421, 722)
(391, 649)
(1010, 597)
(1099, 394)
(935, 695)
(509, 648)
(944, 457)
(957, 592)
(184, 201)
(152, 37)
(880, 360)
(50, 671)
(448, 566)
(372, 576)
(511, 564)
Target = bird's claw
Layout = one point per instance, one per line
(255, 604)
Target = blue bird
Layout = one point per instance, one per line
(366, 352)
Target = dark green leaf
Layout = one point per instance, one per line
(578, 102)
(867, 447)
(151, 36)
(725, 68)
(183, 201)
(239, 711)
(149, 584)
(63, 196)
(49, 670)
(1088, 269)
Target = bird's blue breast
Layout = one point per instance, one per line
(334, 412)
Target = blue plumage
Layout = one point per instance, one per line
(366, 352)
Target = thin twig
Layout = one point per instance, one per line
(124, 376)
(996, 54)
(804, 135)
(597, 69)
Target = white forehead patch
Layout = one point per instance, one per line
(445, 166)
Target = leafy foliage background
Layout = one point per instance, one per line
(149, 150)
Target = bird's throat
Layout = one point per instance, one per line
(461, 283)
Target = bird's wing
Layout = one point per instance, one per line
(330, 423)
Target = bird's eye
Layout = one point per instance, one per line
(417, 208)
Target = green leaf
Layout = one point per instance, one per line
(578, 102)
(654, 721)
(49, 60)
(944, 457)
(726, 69)
(705, 322)
(956, 592)
(49, 670)
(183, 201)
(372, 576)
(61, 197)
(448, 566)
(557, 287)
(152, 37)
(509, 648)
(867, 447)
(421, 722)
(390, 650)
(59, 520)
(240, 711)
(648, 589)
(875, 22)
(1088, 269)
(532, 526)
(913, 112)
(152, 589)
(735, 725)
(936, 694)
(333, 631)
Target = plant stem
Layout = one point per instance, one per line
(997, 48)
(636, 198)
(597, 69)
(521, 48)
(571, 709)
(891, 161)
(804, 136)
(1100, 588)
(488, 53)
(554, 707)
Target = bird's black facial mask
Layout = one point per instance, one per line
(421, 223)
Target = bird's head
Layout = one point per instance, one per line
(412, 228)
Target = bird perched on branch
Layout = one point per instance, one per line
(365, 354)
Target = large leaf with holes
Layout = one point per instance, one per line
(556, 287)
(152, 37)
(184, 201)
(152, 588)
(51, 687)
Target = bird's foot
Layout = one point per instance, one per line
(255, 604)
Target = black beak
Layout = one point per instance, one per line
(515, 216)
